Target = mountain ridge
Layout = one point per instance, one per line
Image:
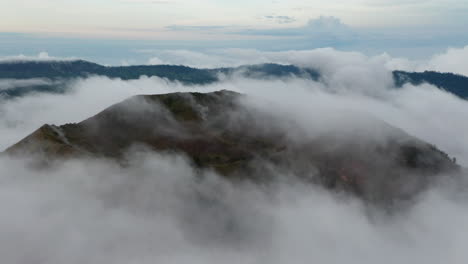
(61, 71)
(217, 131)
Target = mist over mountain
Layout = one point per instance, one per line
(382, 164)
(454, 83)
(55, 75)
(312, 158)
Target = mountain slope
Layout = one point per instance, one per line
(218, 131)
(453, 83)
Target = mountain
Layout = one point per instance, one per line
(453, 83)
(62, 71)
(220, 131)
(80, 68)
(58, 73)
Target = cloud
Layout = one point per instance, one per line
(281, 19)
(341, 71)
(6, 84)
(42, 56)
(195, 59)
(346, 72)
(411, 42)
(158, 2)
(194, 28)
(93, 211)
(352, 72)
(96, 212)
(453, 60)
(322, 30)
(386, 3)
(325, 26)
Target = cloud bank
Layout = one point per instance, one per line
(321, 29)
(452, 60)
(42, 56)
(156, 210)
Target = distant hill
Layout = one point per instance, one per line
(210, 129)
(80, 68)
(62, 71)
(453, 83)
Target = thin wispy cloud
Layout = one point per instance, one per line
(148, 1)
(281, 19)
(323, 24)
(195, 28)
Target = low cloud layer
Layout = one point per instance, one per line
(452, 60)
(42, 56)
(156, 210)
(6, 84)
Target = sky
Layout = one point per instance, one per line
(109, 31)
(152, 18)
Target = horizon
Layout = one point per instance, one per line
(126, 31)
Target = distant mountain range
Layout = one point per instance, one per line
(60, 72)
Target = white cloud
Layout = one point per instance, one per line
(453, 60)
(150, 211)
(42, 56)
(147, 1)
(12, 83)
(325, 59)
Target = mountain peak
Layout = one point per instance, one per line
(217, 131)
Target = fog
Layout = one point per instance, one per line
(42, 56)
(13, 83)
(159, 209)
(96, 212)
(454, 59)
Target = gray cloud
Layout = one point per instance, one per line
(322, 26)
(96, 212)
(194, 28)
(14, 83)
(281, 19)
(41, 56)
(157, 2)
